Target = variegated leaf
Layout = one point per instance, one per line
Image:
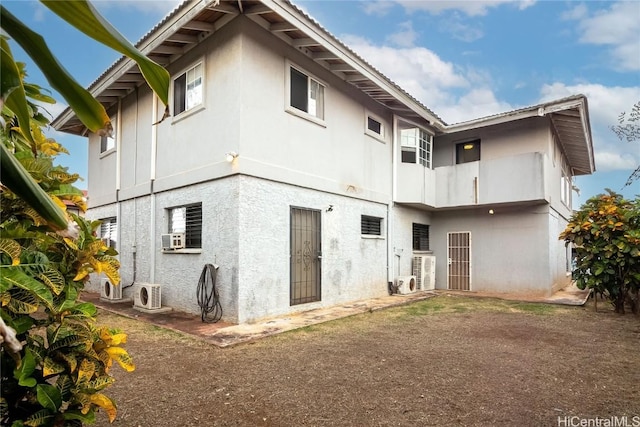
(53, 279)
(121, 356)
(11, 248)
(85, 372)
(100, 383)
(105, 403)
(51, 367)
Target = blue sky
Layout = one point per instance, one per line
(464, 60)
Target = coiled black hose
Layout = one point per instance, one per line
(208, 299)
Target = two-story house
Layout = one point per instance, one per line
(311, 179)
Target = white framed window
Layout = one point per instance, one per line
(109, 231)
(188, 220)
(416, 145)
(370, 226)
(565, 186)
(305, 94)
(108, 142)
(188, 89)
(374, 126)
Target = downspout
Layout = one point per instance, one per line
(152, 178)
(394, 189)
(118, 171)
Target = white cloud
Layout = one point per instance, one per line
(162, 7)
(379, 8)
(605, 105)
(470, 8)
(452, 93)
(616, 27)
(405, 37)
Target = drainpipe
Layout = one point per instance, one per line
(118, 136)
(394, 189)
(152, 178)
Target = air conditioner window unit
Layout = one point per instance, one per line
(424, 268)
(147, 296)
(172, 241)
(109, 291)
(406, 285)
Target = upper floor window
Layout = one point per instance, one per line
(108, 231)
(306, 94)
(188, 220)
(187, 89)
(108, 142)
(565, 186)
(468, 151)
(416, 145)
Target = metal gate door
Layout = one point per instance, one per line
(306, 253)
(459, 253)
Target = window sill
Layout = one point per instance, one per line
(418, 252)
(376, 136)
(182, 251)
(107, 153)
(368, 236)
(187, 113)
(306, 116)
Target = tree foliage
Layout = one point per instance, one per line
(605, 233)
(628, 129)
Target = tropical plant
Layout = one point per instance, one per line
(605, 233)
(46, 255)
(13, 94)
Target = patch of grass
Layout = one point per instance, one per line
(444, 304)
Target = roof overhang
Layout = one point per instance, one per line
(193, 21)
(569, 120)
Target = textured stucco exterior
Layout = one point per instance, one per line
(333, 166)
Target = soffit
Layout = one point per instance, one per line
(193, 21)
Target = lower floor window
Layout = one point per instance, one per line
(188, 220)
(108, 231)
(371, 225)
(420, 237)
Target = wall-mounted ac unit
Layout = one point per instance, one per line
(109, 291)
(406, 284)
(147, 296)
(172, 241)
(424, 268)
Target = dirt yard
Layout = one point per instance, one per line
(445, 361)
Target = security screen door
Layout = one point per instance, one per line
(306, 253)
(459, 261)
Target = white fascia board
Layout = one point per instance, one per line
(540, 110)
(291, 15)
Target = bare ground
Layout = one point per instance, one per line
(448, 360)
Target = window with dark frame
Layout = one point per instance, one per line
(188, 220)
(187, 90)
(371, 226)
(420, 237)
(306, 94)
(374, 126)
(468, 151)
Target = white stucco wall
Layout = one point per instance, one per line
(353, 267)
(403, 220)
(509, 250)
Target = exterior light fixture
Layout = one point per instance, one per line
(468, 146)
(491, 212)
(230, 156)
